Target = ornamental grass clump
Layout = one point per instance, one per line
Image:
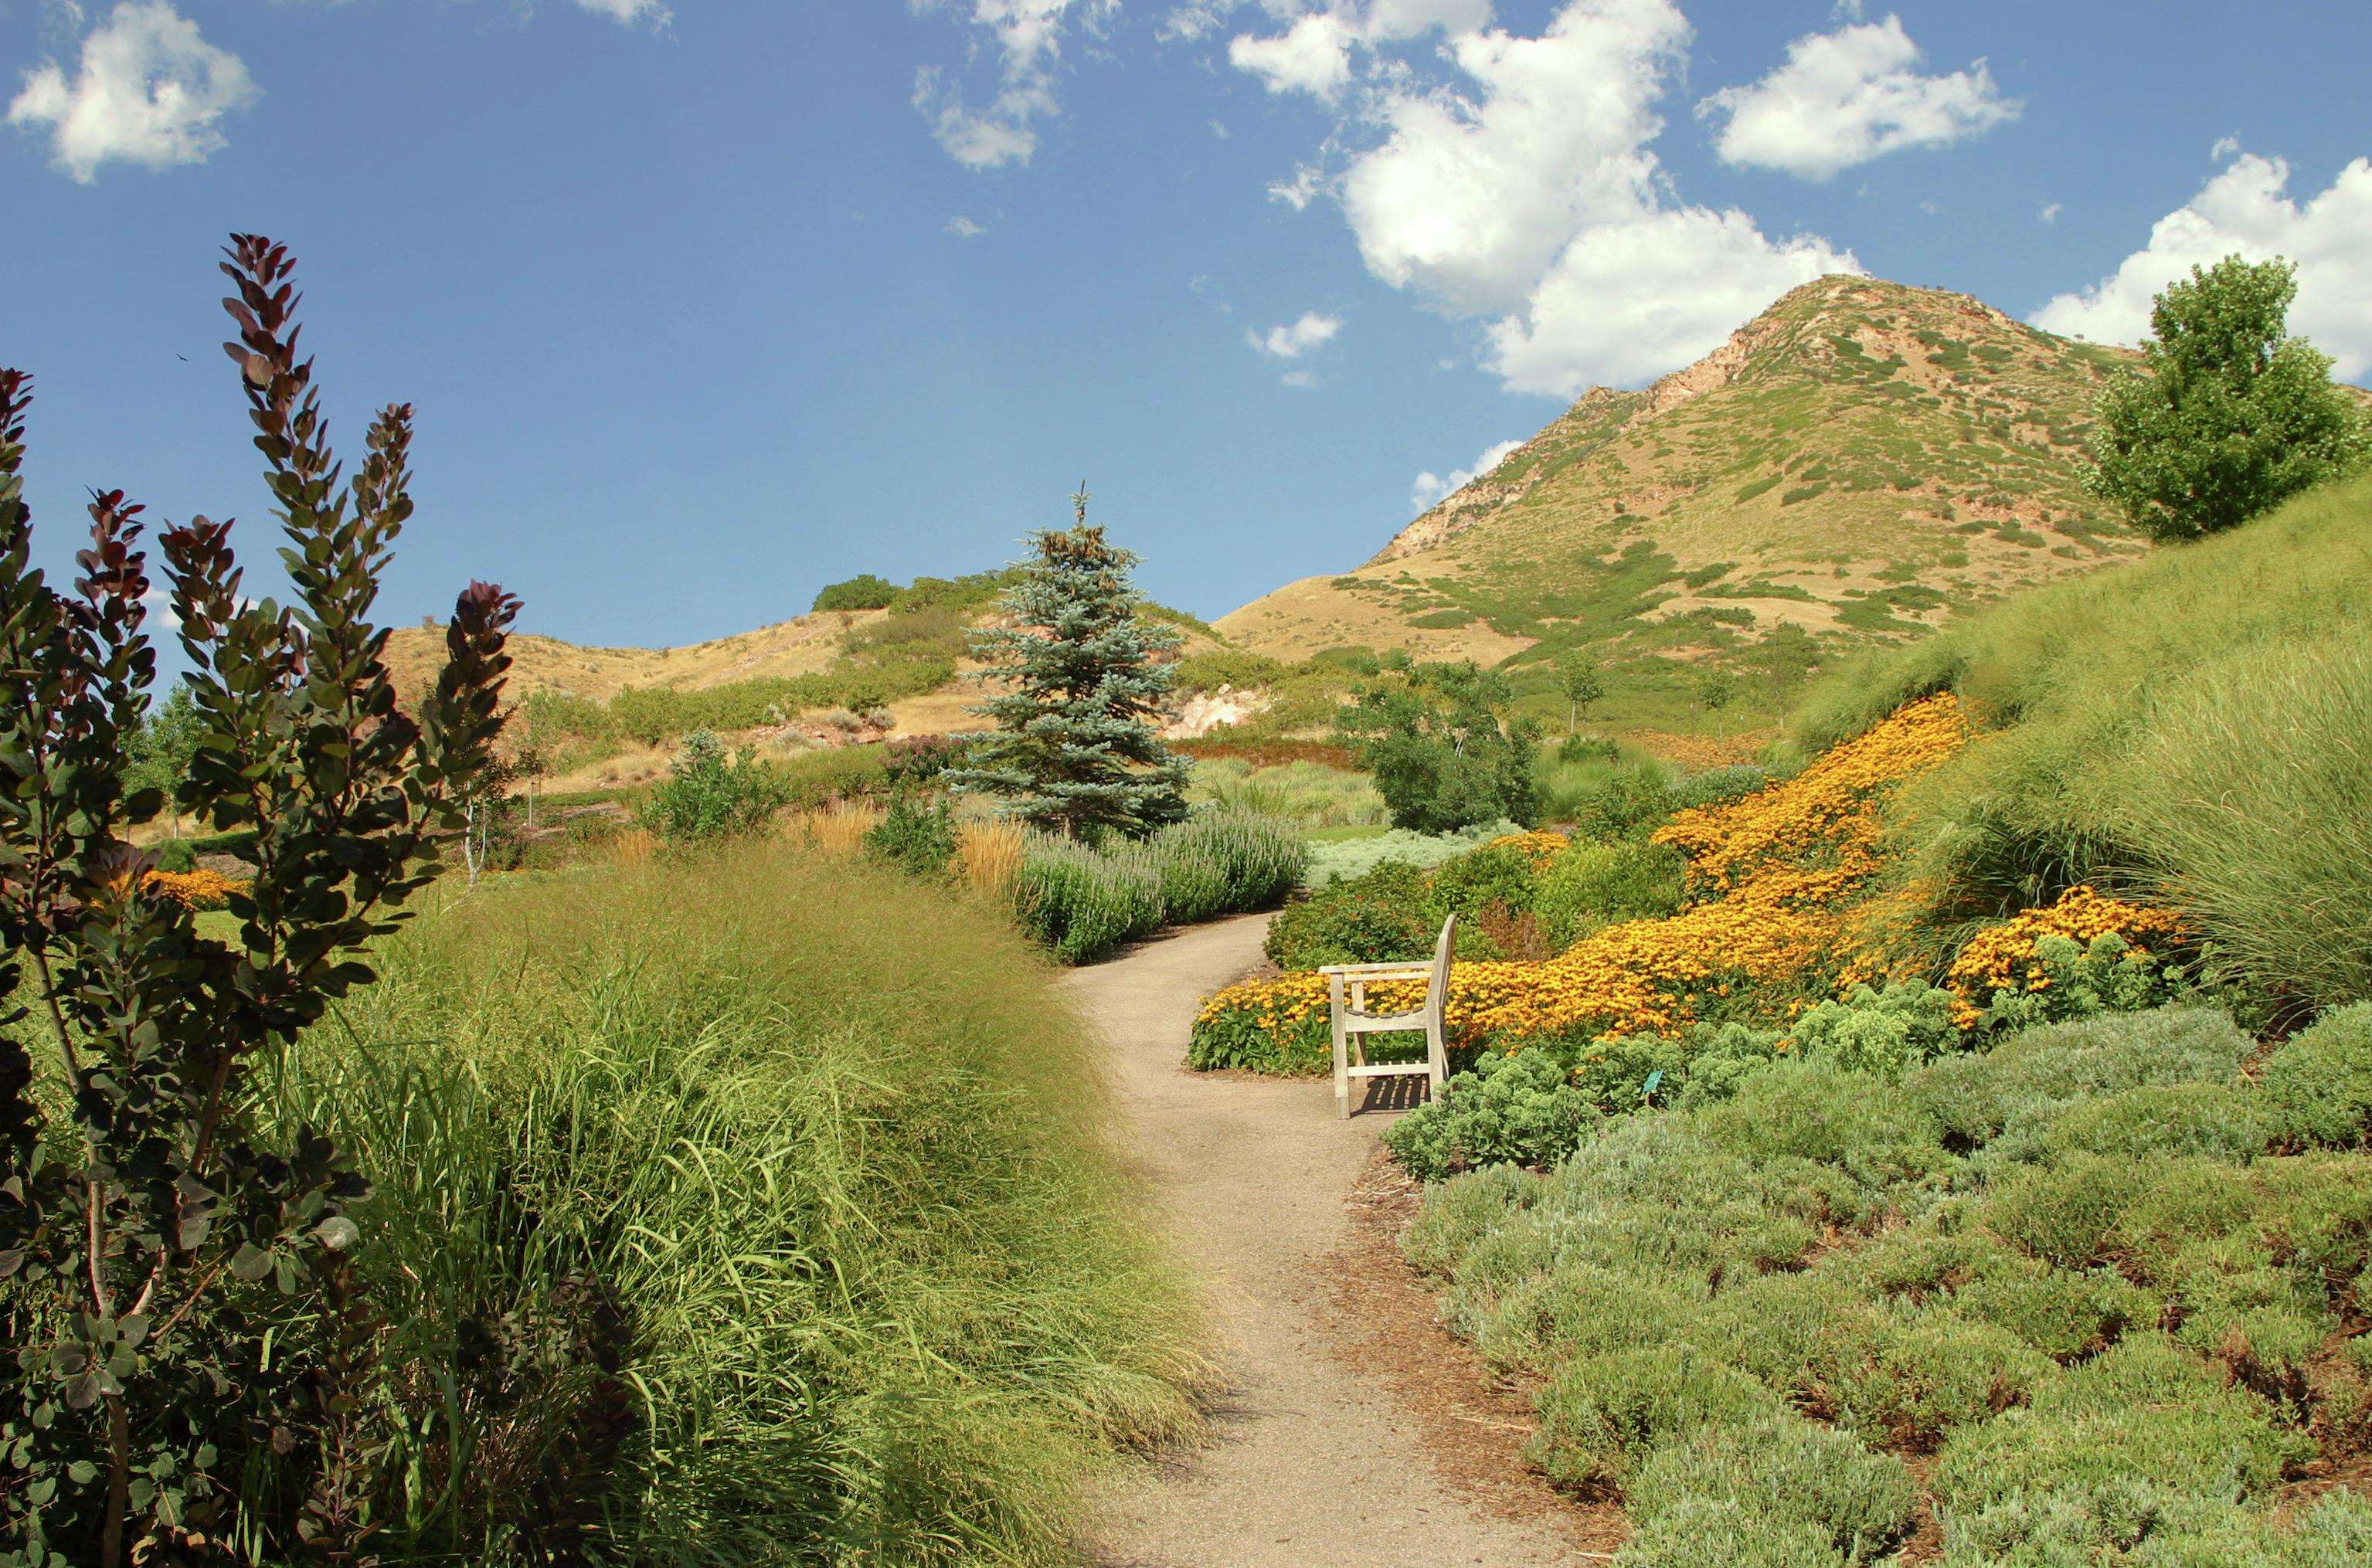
(747, 1209)
(1083, 902)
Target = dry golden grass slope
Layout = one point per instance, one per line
(1863, 461)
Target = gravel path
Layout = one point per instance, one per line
(1313, 1461)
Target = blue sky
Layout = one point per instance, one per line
(703, 308)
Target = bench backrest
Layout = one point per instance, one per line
(1436, 991)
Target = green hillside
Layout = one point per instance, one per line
(1860, 463)
(2188, 727)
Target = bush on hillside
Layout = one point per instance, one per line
(709, 794)
(1626, 804)
(1887, 1032)
(864, 591)
(2228, 416)
(662, 1166)
(1719, 786)
(1083, 902)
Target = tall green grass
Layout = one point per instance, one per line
(1082, 901)
(749, 1212)
(1308, 793)
(2190, 727)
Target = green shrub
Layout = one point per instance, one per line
(1382, 916)
(1602, 1415)
(1495, 873)
(1808, 1111)
(1518, 1108)
(1886, 1032)
(2066, 1213)
(1719, 786)
(1627, 1071)
(2318, 1088)
(864, 591)
(2109, 975)
(1626, 804)
(1973, 1097)
(2063, 1313)
(1594, 884)
(916, 834)
(710, 795)
(2145, 1415)
(1083, 902)
(174, 855)
(1573, 1310)
(1226, 863)
(1787, 1472)
(1443, 746)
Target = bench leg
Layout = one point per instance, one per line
(1341, 1056)
(1437, 1054)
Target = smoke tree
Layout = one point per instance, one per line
(177, 1300)
(1076, 751)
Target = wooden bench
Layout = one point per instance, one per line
(1346, 992)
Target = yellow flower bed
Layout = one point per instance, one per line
(1539, 846)
(1771, 872)
(2001, 957)
(193, 889)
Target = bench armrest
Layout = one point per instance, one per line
(1380, 972)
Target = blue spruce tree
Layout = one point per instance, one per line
(1075, 750)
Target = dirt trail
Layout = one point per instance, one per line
(1316, 1458)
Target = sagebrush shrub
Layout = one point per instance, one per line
(916, 834)
(1973, 1097)
(1602, 1415)
(1788, 1472)
(2318, 1088)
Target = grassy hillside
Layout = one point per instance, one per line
(2192, 725)
(1861, 462)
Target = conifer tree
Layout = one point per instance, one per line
(1075, 750)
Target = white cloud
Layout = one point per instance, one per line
(2246, 209)
(1847, 97)
(2050, 212)
(1294, 339)
(1628, 301)
(652, 11)
(963, 228)
(1431, 489)
(1028, 36)
(1303, 379)
(1312, 56)
(148, 90)
(1521, 189)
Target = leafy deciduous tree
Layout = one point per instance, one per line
(2234, 414)
(1443, 749)
(1580, 680)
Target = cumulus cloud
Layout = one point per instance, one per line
(1028, 38)
(1517, 186)
(2246, 210)
(1844, 98)
(1293, 339)
(148, 90)
(1312, 56)
(963, 228)
(2050, 212)
(1315, 53)
(1431, 489)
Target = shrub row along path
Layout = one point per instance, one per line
(1316, 1458)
